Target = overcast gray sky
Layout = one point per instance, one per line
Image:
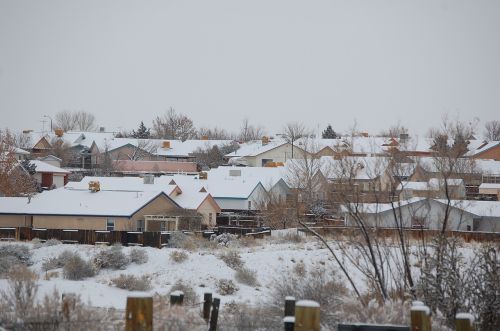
(271, 61)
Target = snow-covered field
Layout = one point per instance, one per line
(270, 258)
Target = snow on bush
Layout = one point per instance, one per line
(59, 261)
(232, 258)
(52, 242)
(77, 268)
(178, 256)
(226, 287)
(138, 255)
(13, 254)
(112, 258)
(246, 276)
(224, 239)
(132, 283)
(179, 239)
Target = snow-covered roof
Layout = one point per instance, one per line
(255, 147)
(186, 148)
(490, 167)
(434, 184)
(416, 186)
(268, 176)
(374, 208)
(130, 184)
(477, 147)
(45, 167)
(489, 186)
(478, 208)
(79, 202)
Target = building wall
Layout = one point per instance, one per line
(79, 222)
(278, 154)
(487, 224)
(492, 153)
(159, 206)
(205, 209)
(124, 152)
(12, 221)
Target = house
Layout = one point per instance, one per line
(92, 210)
(141, 167)
(486, 150)
(49, 176)
(414, 213)
(188, 194)
(434, 188)
(490, 190)
(258, 153)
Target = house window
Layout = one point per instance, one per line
(110, 224)
(417, 223)
(249, 204)
(210, 218)
(140, 225)
(163, 226)
(264, 161)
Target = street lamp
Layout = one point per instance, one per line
(50, 121)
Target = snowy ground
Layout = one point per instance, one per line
(203, 268)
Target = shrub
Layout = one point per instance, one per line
(189, 293)
(225, 238)
(21, 290)
(20, 252)
(138, 256)
(53, 242)
(179, 239)
(226, 287)
(111, 258)
(37, 243)
(247, 276)
(232, 259)
(179, 256)
(6, 263)
(58, 262)
(132, 283)
(77, 268)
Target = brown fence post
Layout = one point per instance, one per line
(289, 306)
(176, 298)
(215, 314)
(307, 316)
(207, 301)
(139, 314)
(420, 317)
(464, 322)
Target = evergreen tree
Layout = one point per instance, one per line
(142, 132)
(28, 166)
(329, 133)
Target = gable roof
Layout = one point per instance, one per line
(47, 168)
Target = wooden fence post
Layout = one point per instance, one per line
(289, 323)
(420, 317)
(176, 298)
(289, 306)
(215, 314)
(139, 314)
(307, 316)
(464, 322)
(207, 302)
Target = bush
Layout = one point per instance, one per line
(179, 256)
(224, 239)
(58, 262)
(189, 293)
(77, 268)
(37, 243)
(20, 252)
(179, 239)
(111, 258)
(6, 263)
(232, 259)
(247, 276)
(138, 256)
(226, 287)
(132, 283)
(53, 242)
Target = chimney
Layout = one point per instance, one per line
(94, 186)
(102, 129)
(364, 134)
(203, 175)
(166, 144)
(59, 132)
(403, 136)
(148, 179)
(204, 137)
(265, 140)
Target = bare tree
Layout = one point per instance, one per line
(213, 133)
(79, 120)
(173, 126)
(394, 131)
(293, 131)
(213, 156)
(250, 132)
(143, 149)
(14, 179)
(492, 130)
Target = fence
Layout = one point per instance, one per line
(413, 234)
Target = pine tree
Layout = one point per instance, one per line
(28, 166)
(329, 133)
(142, 132)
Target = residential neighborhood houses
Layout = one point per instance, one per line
(146, 184)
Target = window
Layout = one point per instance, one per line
(264, 161)
(140, 225)
(418, 223)
(163, 226)
(110, 224)
(249, 204)
(210, 218)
